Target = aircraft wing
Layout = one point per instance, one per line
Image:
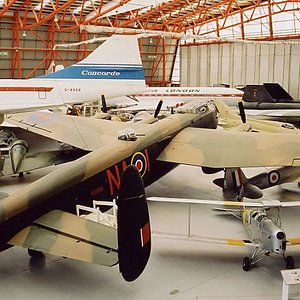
(83, 133)
(262, 204)
(232, 149)
(195, 238)
(293, 241)
(68, 235)
(287, 113)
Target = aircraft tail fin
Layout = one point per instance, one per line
(266, 93)
(111, 60)
(134, 238)
(236, 185)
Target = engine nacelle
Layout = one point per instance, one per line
(17, 153)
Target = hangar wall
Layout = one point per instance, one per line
(242, 63)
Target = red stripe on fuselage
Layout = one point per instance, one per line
(25, 89)
(188, 95)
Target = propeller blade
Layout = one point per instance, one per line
(158, 108)
(103, 102)
(242, 111)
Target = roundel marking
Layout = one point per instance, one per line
(273, 177)
(139, 160)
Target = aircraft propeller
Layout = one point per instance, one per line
(103, 104)
(158, 108)
(242, 112)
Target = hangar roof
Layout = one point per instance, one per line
(255, 19)
(30, 29)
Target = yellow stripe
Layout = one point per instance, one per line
(233, 203)
(236, 242)
(295, 241)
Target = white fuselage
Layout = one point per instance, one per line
(177, 96)
(264, 231)
(21, 95)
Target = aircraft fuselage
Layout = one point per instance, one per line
(24, 95)
(264, 231)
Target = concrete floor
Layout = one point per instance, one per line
(176, 270)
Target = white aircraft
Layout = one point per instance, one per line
(261, 221)
(111, 70)
(177, 96)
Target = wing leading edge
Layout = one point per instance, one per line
(225, 149)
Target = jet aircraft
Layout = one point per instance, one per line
(261, 220)
(173, 97)
(111, 70)
(155, 146)
(272, 102)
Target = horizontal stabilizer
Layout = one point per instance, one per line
(64, 234)
(219, 182)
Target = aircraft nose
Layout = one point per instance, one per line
(280, 235)
(281, 242)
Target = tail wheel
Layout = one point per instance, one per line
(246, 263)
(290, 264)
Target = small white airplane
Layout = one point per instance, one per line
(111, 70)
(261, 220)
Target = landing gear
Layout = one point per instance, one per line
(290, 264)
(35, 253)
(246, 263)
(256, 256)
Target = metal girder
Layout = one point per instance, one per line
(245, 16)
(62, 21)
(177, 16)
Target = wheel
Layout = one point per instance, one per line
(34, 253)
(246, 263)
(290, 264)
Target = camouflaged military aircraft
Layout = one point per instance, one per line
(155, 146)
(235, 184)
(261, 221)
(229, 119)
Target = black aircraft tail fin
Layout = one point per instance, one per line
(134, 237)
(277, 92)
(266, 93)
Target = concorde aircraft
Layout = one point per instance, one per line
(111, 70)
